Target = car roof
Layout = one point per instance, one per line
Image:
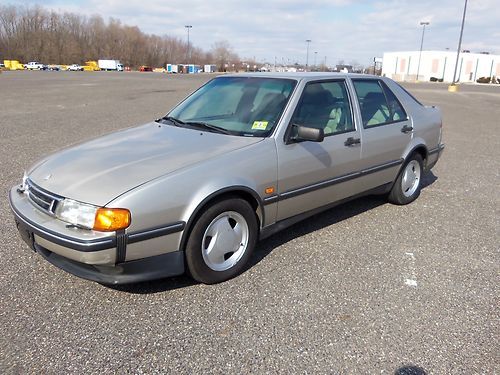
(301, 75)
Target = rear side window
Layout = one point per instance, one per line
(379, 105)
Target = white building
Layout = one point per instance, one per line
(403, 66)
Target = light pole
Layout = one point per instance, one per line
(315, 55)
(421, 45)
(307, 54)
(453, 87)
(188, 50)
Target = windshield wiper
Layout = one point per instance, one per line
(173, 120)
(206, 125)
(195, 124)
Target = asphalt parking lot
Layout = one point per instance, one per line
(329, 295)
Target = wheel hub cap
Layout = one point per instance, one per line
(225, 241)
(411, 178)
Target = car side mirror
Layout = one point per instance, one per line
(305, 133)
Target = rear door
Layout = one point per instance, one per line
(387, 130)
(313, 174)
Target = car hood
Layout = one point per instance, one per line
(100, 170)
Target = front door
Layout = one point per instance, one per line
(313, 174)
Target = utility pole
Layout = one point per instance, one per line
(453, 86)
(188, 49)
(421, 45)
(307, 54)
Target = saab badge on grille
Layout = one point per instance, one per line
(46, 178)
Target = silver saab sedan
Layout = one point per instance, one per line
(242, 157)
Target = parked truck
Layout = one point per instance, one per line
(35, 65)
(91, 66)
(110, 65)
(13, 65)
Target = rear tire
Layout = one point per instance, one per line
(222, 241)
(408, 185)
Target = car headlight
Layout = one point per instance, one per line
(76, 213)
(92, 217)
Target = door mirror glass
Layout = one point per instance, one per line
(305, 133)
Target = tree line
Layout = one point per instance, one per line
(34, 33)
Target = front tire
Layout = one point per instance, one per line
(222, 241)
(409, 182)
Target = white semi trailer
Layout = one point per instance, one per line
(110, 65)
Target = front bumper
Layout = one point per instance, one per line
(151, 268)
(92, 255)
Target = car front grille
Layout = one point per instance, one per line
(42, 199)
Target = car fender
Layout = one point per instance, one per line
(413, 145)
(185, 199)
(197, 205)
(204, 196)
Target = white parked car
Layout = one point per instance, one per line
(75, 68)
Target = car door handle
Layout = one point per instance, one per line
(352, 141)
(406, 129)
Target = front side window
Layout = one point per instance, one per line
(378, 104)
(249, 106)
(325, 105)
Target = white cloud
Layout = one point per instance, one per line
(339, 29)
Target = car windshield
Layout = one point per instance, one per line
(245, 106)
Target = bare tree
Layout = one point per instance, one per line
(35, 33)
(222, 51)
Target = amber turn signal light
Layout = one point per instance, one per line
(111, 219)
(270, 190)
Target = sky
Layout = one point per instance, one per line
(340, 30)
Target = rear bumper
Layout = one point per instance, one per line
(433, 156)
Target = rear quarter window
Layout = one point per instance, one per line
(378, 104)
